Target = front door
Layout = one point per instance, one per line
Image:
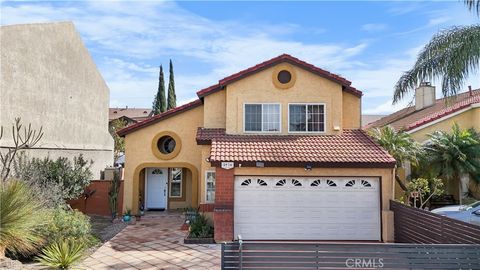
(156, 188)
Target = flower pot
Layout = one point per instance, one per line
(138, 217)
(126, 218)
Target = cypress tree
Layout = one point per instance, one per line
(172, 98)
(160, 103)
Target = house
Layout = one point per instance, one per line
(273, 152)
(129, 115)
(429, 114)
(49, 79)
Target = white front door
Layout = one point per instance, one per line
(156, 188)
(307, 208)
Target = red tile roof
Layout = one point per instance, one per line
(353, 148)
(159, 117)
(282, 58)
(137, 114)
(408, 118)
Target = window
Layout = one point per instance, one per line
(262, 117)
(210, 186)
(166, 144)
(176, 182)
(306, 118)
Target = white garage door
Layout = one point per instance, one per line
(307, 208)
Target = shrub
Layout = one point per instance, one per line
(68, 224)
(62, 254)
(200, 228)
(67, 179)
(21, 216)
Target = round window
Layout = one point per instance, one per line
(284, 76)
(166, 144)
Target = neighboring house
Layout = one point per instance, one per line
(49, 79)
(274, 152)
(370, 118)
(129, 115)
(429, 114)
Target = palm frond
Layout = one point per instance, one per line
(473, 5)
(452, 54)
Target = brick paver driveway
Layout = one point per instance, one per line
(156, 242)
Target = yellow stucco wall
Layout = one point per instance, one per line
(387, 188)
(351, 111)
(139, 154)
(259, 87)
(467, 119)
(214, 110)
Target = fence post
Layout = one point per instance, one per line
(240, 251)
(223, 256)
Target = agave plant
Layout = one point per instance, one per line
(21, 215)
(62, 255)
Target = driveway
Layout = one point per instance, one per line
(156, 242)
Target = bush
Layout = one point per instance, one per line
(69, 224)
(21, 216)
(62, 254)
(58, 180)
(200, 228)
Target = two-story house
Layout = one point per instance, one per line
(274, 152)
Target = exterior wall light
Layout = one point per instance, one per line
(308, 167)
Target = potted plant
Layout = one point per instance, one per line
(200, 231)
(127, 216)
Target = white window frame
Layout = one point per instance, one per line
(306, 112)
(267, 103)
(170, 181)
(206, 177)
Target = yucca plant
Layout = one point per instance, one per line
(62, 255)
(21, 215)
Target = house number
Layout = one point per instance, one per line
(227, 165)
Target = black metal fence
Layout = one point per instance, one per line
(277, 255)
(414, 225)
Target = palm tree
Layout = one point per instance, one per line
(452, 54)
(400, 145)
(454, 155)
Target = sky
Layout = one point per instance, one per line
(369, 43)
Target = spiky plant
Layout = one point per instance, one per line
(21, 216)
(62, 255)
(452, 54)
(400, 145)
(454, 154)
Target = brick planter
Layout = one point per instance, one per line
(188, 240)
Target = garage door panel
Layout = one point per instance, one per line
(307, 208)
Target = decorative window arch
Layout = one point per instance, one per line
(331, 183)
(296, 183)
(315, 183)
(157, 171)
(246, 182)
(261, 182)
(350, 183)
(281, 183)
(365, 183)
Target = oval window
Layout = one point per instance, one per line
(166, 144)
(284, 76)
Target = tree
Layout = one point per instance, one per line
(118, 141)
(160, 103)
(454, 155)
(400, 145)
(172, 98)
(452, 54)
(425, 189)
(21, 141)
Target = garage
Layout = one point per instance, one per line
(307, 208)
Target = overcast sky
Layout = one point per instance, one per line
(369, 43)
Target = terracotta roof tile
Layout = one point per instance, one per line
(409, 118)
(159, 117)
(281, 58)
(353, 148)
(137, 114)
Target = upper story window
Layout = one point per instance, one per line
(306, 118)
(262, 117)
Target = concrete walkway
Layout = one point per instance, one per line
(155, 242)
